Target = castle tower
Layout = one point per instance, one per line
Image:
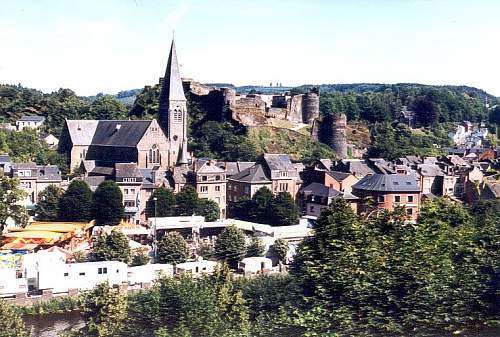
(173, 109)
(338, 140)
(310, 106)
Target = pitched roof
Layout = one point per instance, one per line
(126, 170)
(207, 166)
(48, 172)
(388, 183)
(81, 131)
(31, 119)
(337, 175)
(118, 133)
(321, 190)
(429, 170)
(278, 162)
(172, 84)
(254, 174)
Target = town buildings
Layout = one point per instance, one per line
(30, 122)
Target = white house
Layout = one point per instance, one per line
(149, 273)
(11, 283)
(196, 267)
(32, 122)
(255, 265)
(62, 277)
(51, 140)
(31, 262)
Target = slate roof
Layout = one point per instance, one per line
(357, 167)
(207, 166)
(327, 163)
(81, 131)
(388, 183)
(337, 175)
(103, 170)
(234, 167)
(321, 190)
(429, 170)
(172, 83)
(48, 172)
(118, 133)
(126, 170)
(31, 119)
(254, 174)
(94, 181)
(4, 158)
(24, 166)
(147, 181)
(278, 162)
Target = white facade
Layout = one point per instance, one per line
(62, 277)
(149, 273)
(254, 265)
(196, 268)
(10, 284)
(32, 261)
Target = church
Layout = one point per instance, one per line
(96, 146)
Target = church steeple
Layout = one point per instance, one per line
(173, 108)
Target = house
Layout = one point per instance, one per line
(31, 122)
(386, 191)
(255, 265)
(34, 179)
(210, 183)
(129, 180)
(247, 183)
(51, 140)
(5, 164)
(430, 179)
(149, 273)
(196, 268)
(357, 167)
(61, 277)
(341, 181)
(315, 197)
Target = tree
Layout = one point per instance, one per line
(47, 207)
(11, 197)
(11, 322)
(104, 311)
(186, 200)
(76, 203)
(107, 107)
(280, 248)
(261, 208)
(165, 203)
(206, 251)
(111, 247)
(140, 259)
(208, 208)
(230, 246)
(173, 249)
(256, 247)
(108, 204)
(284, 212)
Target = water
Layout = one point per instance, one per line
(49, 325)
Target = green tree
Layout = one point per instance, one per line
(208, 208)
(255, 247)
(284, 212)
(47, 207)
(11, 197)
(108, 204)
(11, 323)
(186, 200)
(280, 248)
(206, 251)
(107, 107)
(104, 311)
(172, 248)
(230, 246)
(76, 203)
(140, 259)
(165, 203)
(111, 247)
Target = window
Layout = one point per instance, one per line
(247, 189)
(409, 211)
(129, 203)
(283, 187)
(154, 154)
(397, 198)
(283, 174)
(129, 180)
(132, 191)
(410, 198)
(217, 177)
(203, 189)
(204, 178)
(125, 191)
(177, 115)
(381, 198)
(102, 270)
(217, 188)
(66, 274)
(311, 208)
(230, 187)
(82, 274)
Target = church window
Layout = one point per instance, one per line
(177, 116)
(154, 154)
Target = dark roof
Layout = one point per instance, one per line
(388, 183)
(48, 172)
(103, 170)
(119, 133)
(321, 190)
(278, 162)
(32, 119)
(4, 158)
(94, 181)
(337, 175)
(125, 170)
(252, 174)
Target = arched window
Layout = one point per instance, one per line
(177, 115)
(154, 154)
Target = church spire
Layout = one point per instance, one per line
(171, 86)
(182, 155)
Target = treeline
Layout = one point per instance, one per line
(16, 101)
(431, 104)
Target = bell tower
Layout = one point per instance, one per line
(173, 110)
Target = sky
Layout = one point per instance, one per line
(94, 46)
